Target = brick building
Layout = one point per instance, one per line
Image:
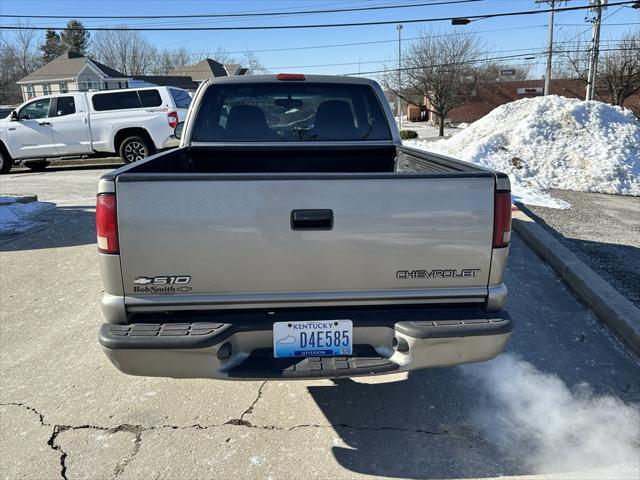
(491, 96)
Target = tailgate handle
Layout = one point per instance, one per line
(312, 219)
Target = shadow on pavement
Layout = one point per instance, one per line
(618, 264)
(60, 227)
(66, 168)
(413, 428)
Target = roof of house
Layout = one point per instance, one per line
(235, 69)
(178, 81)
(67, 65)
(203, 70)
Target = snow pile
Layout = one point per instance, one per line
(553, 142)
(16, 217)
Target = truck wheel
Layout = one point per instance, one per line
(5, 163)
(134, 149)
(37, 165)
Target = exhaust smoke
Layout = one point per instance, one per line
(535, 418)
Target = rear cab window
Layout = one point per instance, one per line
(288, 112)
(65, 106)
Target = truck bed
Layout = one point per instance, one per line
(299, 159)
(225, 217)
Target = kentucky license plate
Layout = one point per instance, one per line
(317, 338)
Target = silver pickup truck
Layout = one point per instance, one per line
(293, 236)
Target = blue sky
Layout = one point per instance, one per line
(510, 35)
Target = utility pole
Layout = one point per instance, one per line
(547, 75)
(595, 49)
(399, 28)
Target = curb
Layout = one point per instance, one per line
(614, 310)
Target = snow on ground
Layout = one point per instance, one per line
(552, 142)
(427, 130)
(18, 217)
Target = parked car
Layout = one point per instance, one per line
(287, 237)
(5, 110)
(133, 123)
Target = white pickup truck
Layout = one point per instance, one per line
(292, 235)
(132, 123)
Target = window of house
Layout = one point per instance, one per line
(65, 106)
(64, 88)
(35, 110)
(31, 91)
(87, 85)
(46, 89)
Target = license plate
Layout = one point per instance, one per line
(317, 338)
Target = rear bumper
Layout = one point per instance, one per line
(236, 345)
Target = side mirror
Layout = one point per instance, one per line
(177, 132)
(14, 116)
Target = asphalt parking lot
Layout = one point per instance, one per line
(562, 402)
(603, 231)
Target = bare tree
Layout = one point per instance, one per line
(167, 61)
(26, 50)
(250, 61)
(619, 69)
(443, 70)
(19, 56)
(492, 72)
(222, 56)
(572, 59)
(125, 50)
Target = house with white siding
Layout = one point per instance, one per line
(71, 72)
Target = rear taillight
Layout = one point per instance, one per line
(291, 77)
(107, 223)
(172, 117)
(502, 220)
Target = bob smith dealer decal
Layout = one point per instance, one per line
(162, 284)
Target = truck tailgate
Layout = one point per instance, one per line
(394, 238)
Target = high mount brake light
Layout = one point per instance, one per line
(296, 77)
(502, 220)
(107, 223)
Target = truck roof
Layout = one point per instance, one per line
(308, 78)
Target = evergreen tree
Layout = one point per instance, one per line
(75, 38)
(52, 46)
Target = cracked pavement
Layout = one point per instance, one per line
(66, 412)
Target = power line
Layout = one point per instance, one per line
(247, 14)
(529, 53)
(320, 25)
(471, 62)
